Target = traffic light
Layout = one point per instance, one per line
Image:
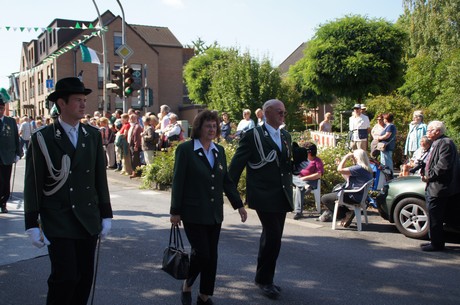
(141, 96)
(118, 82)
(129, 80)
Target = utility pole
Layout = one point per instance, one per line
(123, 41)
(104, 61)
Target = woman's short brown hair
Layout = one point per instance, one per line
(388, 116)
(198, 121)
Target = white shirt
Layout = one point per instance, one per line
(67, 128)
(275, 134)
(208, 153)
(360, 122)
(25, 131)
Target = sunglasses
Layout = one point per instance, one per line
(283, 113)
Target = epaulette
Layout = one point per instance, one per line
(39, 128)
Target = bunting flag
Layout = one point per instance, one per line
(72, 45)
(89, 55)
(77, 26)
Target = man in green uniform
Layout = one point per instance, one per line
(10, 152)
(66, 197)
(266, 153)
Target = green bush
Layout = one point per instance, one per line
(160, 171)
(159, 174)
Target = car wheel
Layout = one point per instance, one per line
(411, 218)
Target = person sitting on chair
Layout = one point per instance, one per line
(418, 161)
(307, 178)
(356, 176)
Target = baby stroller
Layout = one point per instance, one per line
(381, 175)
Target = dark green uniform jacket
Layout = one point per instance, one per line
(197, 191)
(76, 209)
(9, 141)
(268, 188)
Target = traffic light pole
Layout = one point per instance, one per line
(104, 61)
(123, 41)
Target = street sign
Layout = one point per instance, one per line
(124, 51)
(49, 83)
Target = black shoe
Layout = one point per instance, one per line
(199, 301)
(186, 297)
(431, 248)
(297, 216)
(4, 210)
(270, 291)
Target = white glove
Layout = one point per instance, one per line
(37, 239)
(106, 227)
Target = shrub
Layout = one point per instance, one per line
(160, 171)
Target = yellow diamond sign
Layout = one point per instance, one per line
(124, 51)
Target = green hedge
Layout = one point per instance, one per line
(159, 174)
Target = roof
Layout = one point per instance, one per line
(293, 58)
(156, 36)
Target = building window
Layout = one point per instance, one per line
(100, 77)
(118, 102)
(100, 102)
(137, 76)
(117, 41)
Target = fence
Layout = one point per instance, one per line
(324, 139)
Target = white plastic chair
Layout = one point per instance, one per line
(357, 207)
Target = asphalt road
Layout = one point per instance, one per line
(316, 266)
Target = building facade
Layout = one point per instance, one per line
(157, 61)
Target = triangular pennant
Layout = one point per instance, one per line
(7, 28)
(83, 26)
(77, 26)
(90, 26)
(36, 29)
(22, 29)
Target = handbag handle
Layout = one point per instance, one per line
(175, 239)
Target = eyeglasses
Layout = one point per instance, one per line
(431, 130)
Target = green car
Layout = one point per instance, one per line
(402, 202)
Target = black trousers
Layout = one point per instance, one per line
(5, 186)
(269, 246)
(436, 216)
(72, 267)
(204, 240)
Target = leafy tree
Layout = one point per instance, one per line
(225, 80)
(432, 75)
(353, 57)
(199, 46)
(198, 74)
(434, 26)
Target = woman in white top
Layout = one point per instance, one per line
(246, 123)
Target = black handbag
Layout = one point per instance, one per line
(176, 261)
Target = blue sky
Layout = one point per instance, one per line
(265, 28)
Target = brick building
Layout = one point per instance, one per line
(157, 59)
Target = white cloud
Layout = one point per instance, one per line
(174, 3)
